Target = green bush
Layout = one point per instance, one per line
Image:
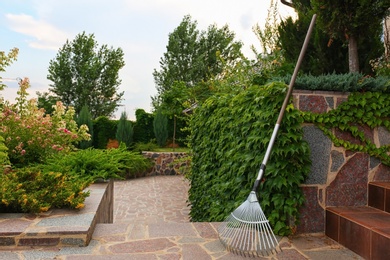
(160, 126)
(33, 190)
(100, 163)
(140, 147)
(103, 130)
(124, 131)
(85, 118)
(350, 82)
(4, 160)
(229, 138)
(143, 127)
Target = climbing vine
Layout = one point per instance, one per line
(229, 137)
(361, 110)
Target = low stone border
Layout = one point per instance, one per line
(59, 227)
(165, 163)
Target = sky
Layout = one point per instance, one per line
(39, 28)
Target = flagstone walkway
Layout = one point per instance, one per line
(151, 223)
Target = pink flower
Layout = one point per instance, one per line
(23, 152)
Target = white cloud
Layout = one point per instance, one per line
(44, 35)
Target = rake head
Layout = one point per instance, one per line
(247, 231)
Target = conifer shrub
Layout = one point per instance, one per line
(85, 118)
(160, 126)
(124, 130)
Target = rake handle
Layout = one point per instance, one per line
(285, 103)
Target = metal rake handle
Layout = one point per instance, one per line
(285, 103)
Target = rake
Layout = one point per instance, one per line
(246, 231)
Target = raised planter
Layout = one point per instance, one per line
(59, 227)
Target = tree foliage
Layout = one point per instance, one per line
(84, 74)
(85, 118)
(160, 126)
(352, 21)
(6, 60)
(195, 56)
(124, 130)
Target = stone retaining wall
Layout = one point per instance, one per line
(338, 177)
(168, 163)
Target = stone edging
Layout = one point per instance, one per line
(59, 227)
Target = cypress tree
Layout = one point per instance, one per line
(124, 131)
(160, 126)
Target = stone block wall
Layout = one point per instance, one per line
(337, 177)
(168, 163)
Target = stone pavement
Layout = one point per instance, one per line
(151, 222)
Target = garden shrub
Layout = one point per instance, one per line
(33, 190)
(4, 160)
(103, 130)
(85, 118)
(100, 164)
(143, 127)
(350, 82)
(160, 126)
(124, 130)
(141, 147)
(31, 136)
(230, 134)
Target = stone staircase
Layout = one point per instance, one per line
(364, 230)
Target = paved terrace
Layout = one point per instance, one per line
(151, 222)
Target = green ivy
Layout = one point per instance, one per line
(230, 134)
(370, 109)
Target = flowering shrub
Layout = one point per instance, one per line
(31, 136)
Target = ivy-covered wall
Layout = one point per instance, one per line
(338, 177)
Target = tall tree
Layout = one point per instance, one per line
(84, 74)
(351, 20)
(193, 56)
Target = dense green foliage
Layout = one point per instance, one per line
(85, 118)
(100, 164)
(370, 109)
(160, 127)
(85, 74)
(124, 130)
(230, 134)
(351, 22)
(193, 56)
(103, 130)
(143, 127)
(350, 82)
(4, 160)
(33, 189)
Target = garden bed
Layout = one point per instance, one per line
(59, 227)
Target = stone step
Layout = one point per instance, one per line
(59, 227)
(379, 195)
(364, 230)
